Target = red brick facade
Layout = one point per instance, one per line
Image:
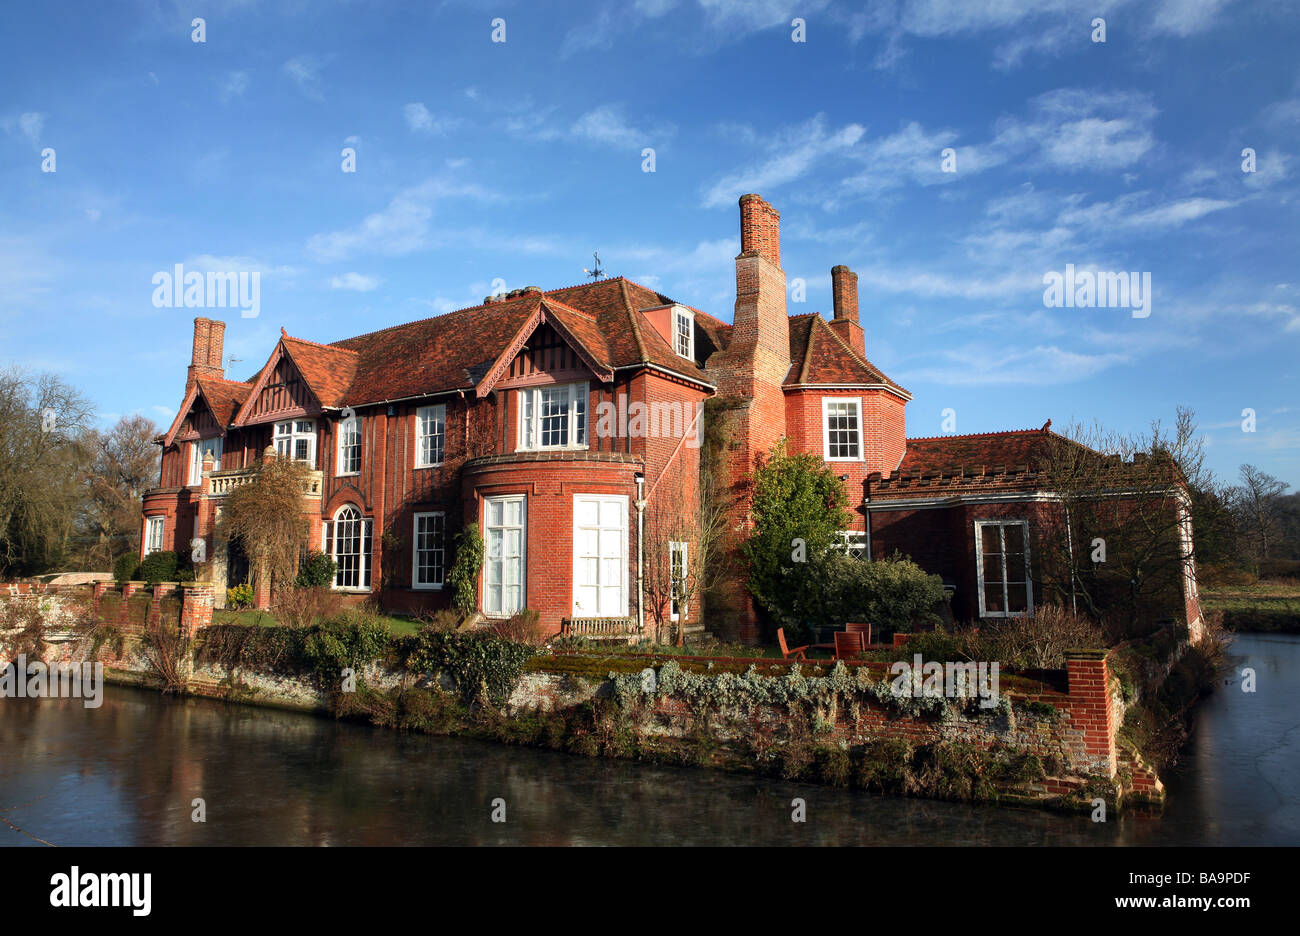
(559, 400)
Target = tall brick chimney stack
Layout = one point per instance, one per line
(209, 345)
(749, 375)
(844, 289)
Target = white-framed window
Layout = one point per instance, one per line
(1002, 566)
(430, 435)
(505, 522)
(296, 439)
(553, 417)
(600, 550)
(346, 540)
(842, 428)
(684, 332)
(1187, 550)
(350, 446)
(154, 534)
(678, 569)
(428, 552)
(853, 543)
(197, 451)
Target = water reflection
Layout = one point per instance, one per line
(126, 773)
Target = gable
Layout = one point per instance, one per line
(280, 392)
(545, 357)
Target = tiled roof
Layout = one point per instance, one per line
(998, 462)
(819, 356)
(224, 397)
(328, 371)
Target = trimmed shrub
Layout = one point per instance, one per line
(894, 594)
(316, 571)
(159, 567)
(126, 568)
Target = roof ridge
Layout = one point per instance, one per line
(568, 308)
(631, 318)
(431, 318)
(975, 435)
(318, 344)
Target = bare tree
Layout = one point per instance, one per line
(124, 466)
(43, 423)
(1121, 545)
(685, 527)
(265, 516)
(1258, 504)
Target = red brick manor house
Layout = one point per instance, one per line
(544, 416)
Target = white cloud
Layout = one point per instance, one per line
(304, 71)
(793, 153)
(29, 125)
(400, 228)
(607, 125)
(354, 281)
(1185, 17)
(1125, 212)
(233, 85)
(420, 120)
(996, 364)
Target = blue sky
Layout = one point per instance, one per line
(478, 160)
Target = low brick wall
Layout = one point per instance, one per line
(1078, 732)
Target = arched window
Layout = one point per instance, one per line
(347, 542)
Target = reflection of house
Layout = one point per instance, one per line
(521, 414)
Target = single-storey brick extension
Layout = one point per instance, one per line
(543, 415)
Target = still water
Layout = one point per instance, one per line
(127, 773)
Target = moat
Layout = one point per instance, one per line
(128, 772)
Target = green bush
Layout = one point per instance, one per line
(126, 568)
(892, 594)
(799, 508)
(239, 596)
(463, 576)
(486, 667)
(350, 642)
(316, 571)
(159, 567)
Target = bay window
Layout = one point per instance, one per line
(842, 428)
(553, 417)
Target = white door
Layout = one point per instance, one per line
(599, 555)
(503, 579)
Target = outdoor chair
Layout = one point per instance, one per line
(848, 644)
(788, 652)
(863, 629)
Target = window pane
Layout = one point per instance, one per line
(993, 596)
(1015, 537)
(990, 542)
(1016, 598)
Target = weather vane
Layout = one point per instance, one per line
(595, 273)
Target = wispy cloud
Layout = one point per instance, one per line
(356, 282)
(792, 153)
(29, 126)
(304, 71)
(400, 228)
(420, 120)
(608, 125)
(233, 85)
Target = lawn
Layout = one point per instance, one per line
(1269, 606)
(399, 626)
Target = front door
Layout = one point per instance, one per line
(503, 578)
(599, 555)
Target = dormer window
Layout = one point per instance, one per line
(684, 332)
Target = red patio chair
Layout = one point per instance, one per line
(848, 644)
(788, 652)
(863, 629)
